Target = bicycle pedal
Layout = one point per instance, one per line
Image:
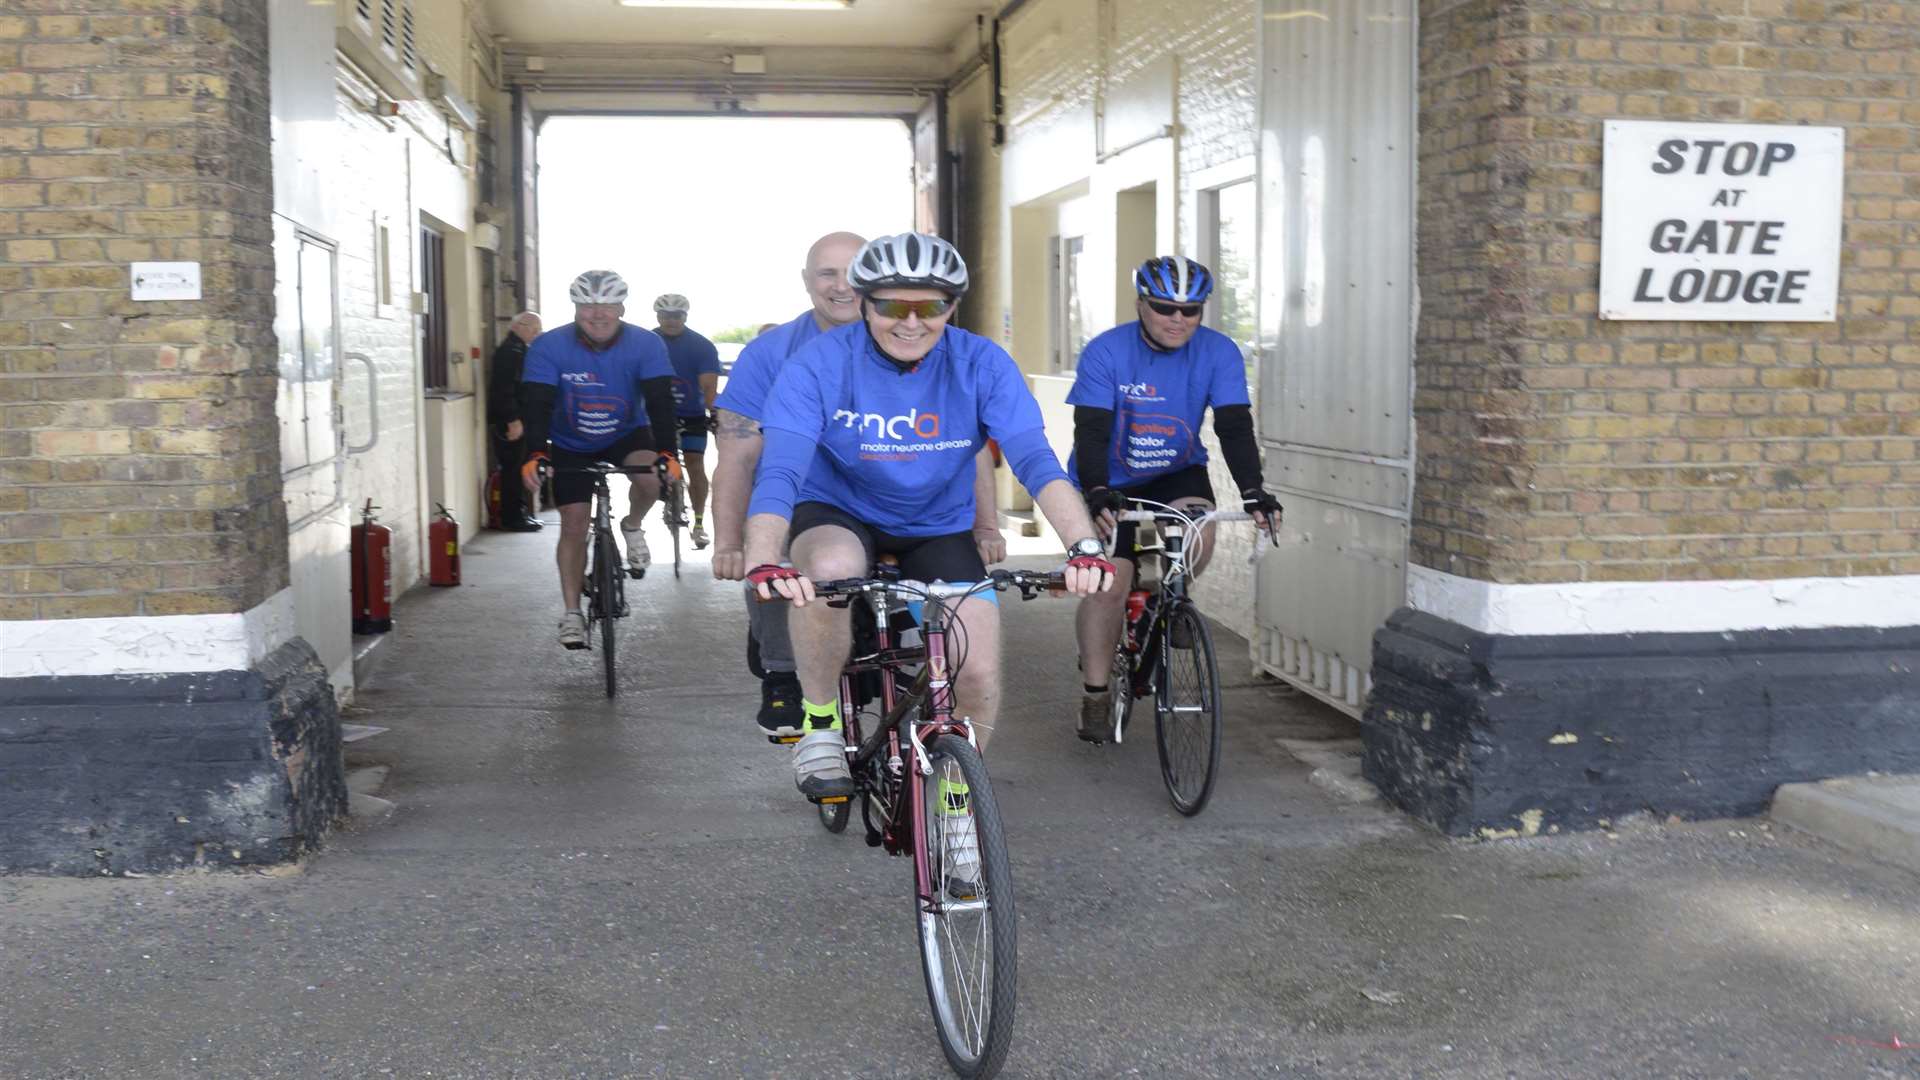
(635, 574)
(783, 740)
(831, 800)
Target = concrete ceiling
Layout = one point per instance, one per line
(549, 25)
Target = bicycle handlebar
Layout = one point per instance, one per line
(1031, 583)
(1182, 518)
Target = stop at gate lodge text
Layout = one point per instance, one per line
(1720, 236)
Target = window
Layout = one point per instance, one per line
(1067, 301)
(433, 319)
(1227, 233)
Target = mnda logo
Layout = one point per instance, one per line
(913, 421)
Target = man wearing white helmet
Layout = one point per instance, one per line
(600, 390)
(871, 433)
(696, 378)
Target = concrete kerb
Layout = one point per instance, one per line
(1875, 816)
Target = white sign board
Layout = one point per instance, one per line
(1721, 222)
(166, 281)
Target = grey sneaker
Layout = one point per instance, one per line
(959, 841)
(638, 557)
(700, 538)
(1096, 716)
(573, 630)
(820, 765)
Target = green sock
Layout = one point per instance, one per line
(953, 796)
(810, 712)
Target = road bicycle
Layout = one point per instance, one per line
(922, 785)
(1166, 653)
(604, 588)
(673, 511)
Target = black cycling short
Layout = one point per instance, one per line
(575, 487)
(1191, 482)
(693, 434)
(951, 557)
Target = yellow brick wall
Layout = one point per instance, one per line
(139, 454)
(1556, 447)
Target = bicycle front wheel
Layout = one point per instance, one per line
(606, 577)
(967, 934)
(1187, 710)
(678, 520)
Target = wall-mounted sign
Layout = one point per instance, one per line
(1721, 222)
(166, 281)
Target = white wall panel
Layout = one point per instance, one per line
(1337, 299)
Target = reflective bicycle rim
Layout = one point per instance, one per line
(967, 945)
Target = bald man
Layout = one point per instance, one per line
(737, 439)
(503, 420)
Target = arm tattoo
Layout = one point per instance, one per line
(735, 426)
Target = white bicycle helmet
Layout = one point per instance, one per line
(908, 260)
(598, 287)
(672, 301)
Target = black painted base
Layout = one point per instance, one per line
(106, 774)
(1477, 734)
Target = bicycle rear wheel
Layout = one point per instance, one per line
(606, 577)
(967, 935)
(1186, 721)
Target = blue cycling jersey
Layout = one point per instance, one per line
(896, 450)
(692, 356)
(759, 365)
(1158, 398)
(599, 401)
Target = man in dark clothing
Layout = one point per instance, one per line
(503, 421)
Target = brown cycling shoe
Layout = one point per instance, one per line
(1095, 710)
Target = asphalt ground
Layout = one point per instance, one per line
(572, 887)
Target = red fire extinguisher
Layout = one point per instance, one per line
(443, 549)
(491, 498)
(371, 550)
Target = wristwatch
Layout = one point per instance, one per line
(1087, 545)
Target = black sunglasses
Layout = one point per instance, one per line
(900, 309)
(1163, 308)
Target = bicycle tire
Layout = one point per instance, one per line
(679, 520)
(1120, 686)
(1189, 687)
(968, 950)
(606, 569)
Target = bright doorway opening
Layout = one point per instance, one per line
(718, 209)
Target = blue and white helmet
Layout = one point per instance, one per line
(1174, 279)
(598, 287)
(908, 261)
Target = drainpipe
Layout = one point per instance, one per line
(1007, 11)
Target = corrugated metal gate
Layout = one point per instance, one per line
(1337, 299)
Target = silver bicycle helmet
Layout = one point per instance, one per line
(598, 287)
(672, 301)
(908, 261)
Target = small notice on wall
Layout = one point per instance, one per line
(166, 281)
(1721, 222)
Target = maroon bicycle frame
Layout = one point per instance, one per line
(900, 793)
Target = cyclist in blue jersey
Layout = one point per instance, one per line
(737, 433)
(696, 378)
(871, 436)
(1140, 392)
(600, 390)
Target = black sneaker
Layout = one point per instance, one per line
(1095, 717)
(780, 707)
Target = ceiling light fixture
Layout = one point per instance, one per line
(755, 5)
